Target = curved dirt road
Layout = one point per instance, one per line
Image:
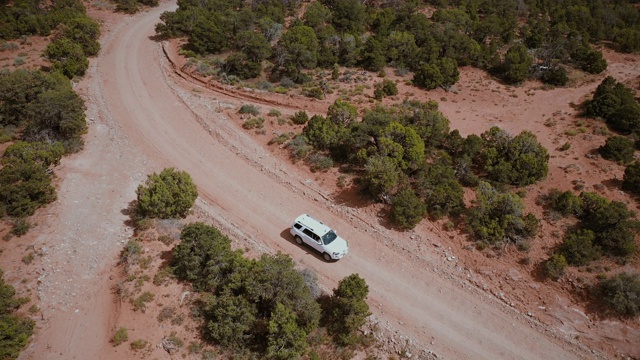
(160, 121)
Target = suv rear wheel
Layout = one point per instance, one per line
(298, 240)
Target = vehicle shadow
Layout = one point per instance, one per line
(308, 251)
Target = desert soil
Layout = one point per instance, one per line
(428, 287)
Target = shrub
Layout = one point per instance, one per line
(299, 147)
(170, 194)
(314, 92)
(120, 336)
(499, 217)
(579, 247)
(556, 75)
(407, 210)
(319, 162)
(67, 57)
(140, 303)
(622, 294)
(520, 160)
(138, 344)
(20, 227)
(618, 148)
(555, 266)
(249, 109)
(566, 203)
(257, 122)
(274, 113)
(300, 117)
(631, 179)
(279, 139)
(348, 309)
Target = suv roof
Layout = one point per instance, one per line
(314, 225)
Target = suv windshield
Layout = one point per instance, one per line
(329, 237)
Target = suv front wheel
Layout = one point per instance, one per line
(327, 257)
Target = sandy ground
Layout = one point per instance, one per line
(424, 284)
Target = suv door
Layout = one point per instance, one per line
(313, 240)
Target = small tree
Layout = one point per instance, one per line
(349, 309)
(169, 194)
(631, 180)
(618, 148)
(622, 294)
(67, 57)
(407, 209)
(286, 340)
(555, 266)
(516, 65)
(578, 247)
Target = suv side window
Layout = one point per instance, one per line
(297, 226)
(309, 233)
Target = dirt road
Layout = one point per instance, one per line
(147, 119)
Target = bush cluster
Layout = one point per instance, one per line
(263, 306)
(616, 105)
(16, 330)
(605, 227)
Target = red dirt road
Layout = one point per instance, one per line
(147, 119)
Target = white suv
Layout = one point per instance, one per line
(319, 236)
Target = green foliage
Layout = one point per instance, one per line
(385, 88)
(441, 191)
(616, 104)
(297, 50)
(140, 303)
(120, 336)
(566, 203)
(342, 113)
(579, 247)
(138, 345)
(44, 154)
(612, 223)
(348, 309)
(253, 45)
(249, 109)
(169, 194)
(230, 317)
(618, 148)
(200, 246)
(499, 217)
(241, 66)
(84, 31)
(322, 133)
(381, 176)
(556, 75)
(20, 227)
(45, 104)
(631, 179)
(253, 123)
(622, 294)
(517, 161)
(286, 340)
(516, 64)
(24, 187)
(300, 117)
(16, 330)
(555, 266)
(589, 60)
(67, 56)
(313, 92)
(407, 210)
(628, 40)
